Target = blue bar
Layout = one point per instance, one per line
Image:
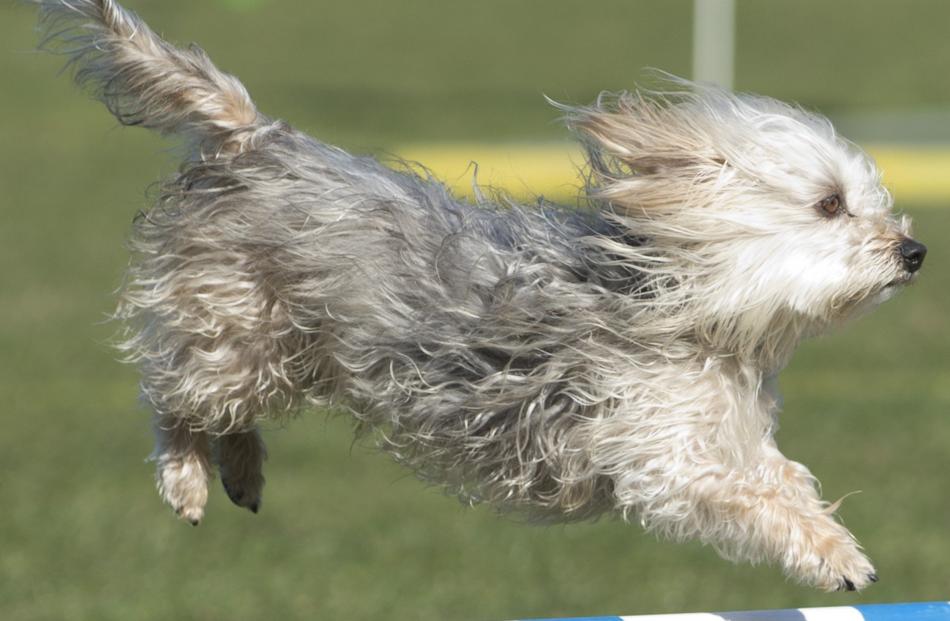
(926, 611)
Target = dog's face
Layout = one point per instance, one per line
(769, 217)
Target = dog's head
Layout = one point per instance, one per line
(761, 220)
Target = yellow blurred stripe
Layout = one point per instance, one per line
(914, 174)
(524, 171)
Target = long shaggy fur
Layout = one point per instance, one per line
(559, 363)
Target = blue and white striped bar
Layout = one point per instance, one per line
(924, 611)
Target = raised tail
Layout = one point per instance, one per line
(144, 80)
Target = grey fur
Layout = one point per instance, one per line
(469, 335)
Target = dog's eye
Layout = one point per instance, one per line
(830, 206)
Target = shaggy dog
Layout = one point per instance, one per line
(559, 363)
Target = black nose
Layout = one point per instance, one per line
(913, 253)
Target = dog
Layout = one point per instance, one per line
(616, 358)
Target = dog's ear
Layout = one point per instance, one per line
(645, 136)
(635, 143)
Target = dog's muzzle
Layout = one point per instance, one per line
(912, 254)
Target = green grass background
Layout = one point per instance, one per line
(343, 533)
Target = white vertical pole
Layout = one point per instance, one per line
(714, 24)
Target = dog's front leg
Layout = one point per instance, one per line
(183, 463)
(768, 510)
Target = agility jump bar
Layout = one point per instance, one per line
(923, 611)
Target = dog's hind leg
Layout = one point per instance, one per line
(240, 458)
(208, 404)
(183, 459)
(210, 377)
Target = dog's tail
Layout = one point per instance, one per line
(144, 80)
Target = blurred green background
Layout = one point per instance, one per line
(343, 533)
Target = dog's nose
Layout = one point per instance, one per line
(912, 253)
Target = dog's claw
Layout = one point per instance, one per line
(848, 585)
(194, 521)
(255, 507)
(873, 577)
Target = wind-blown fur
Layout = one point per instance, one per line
(554, 362)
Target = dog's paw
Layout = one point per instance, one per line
(240, 458)
(183, 484)
(842, 567)
(244, 491)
